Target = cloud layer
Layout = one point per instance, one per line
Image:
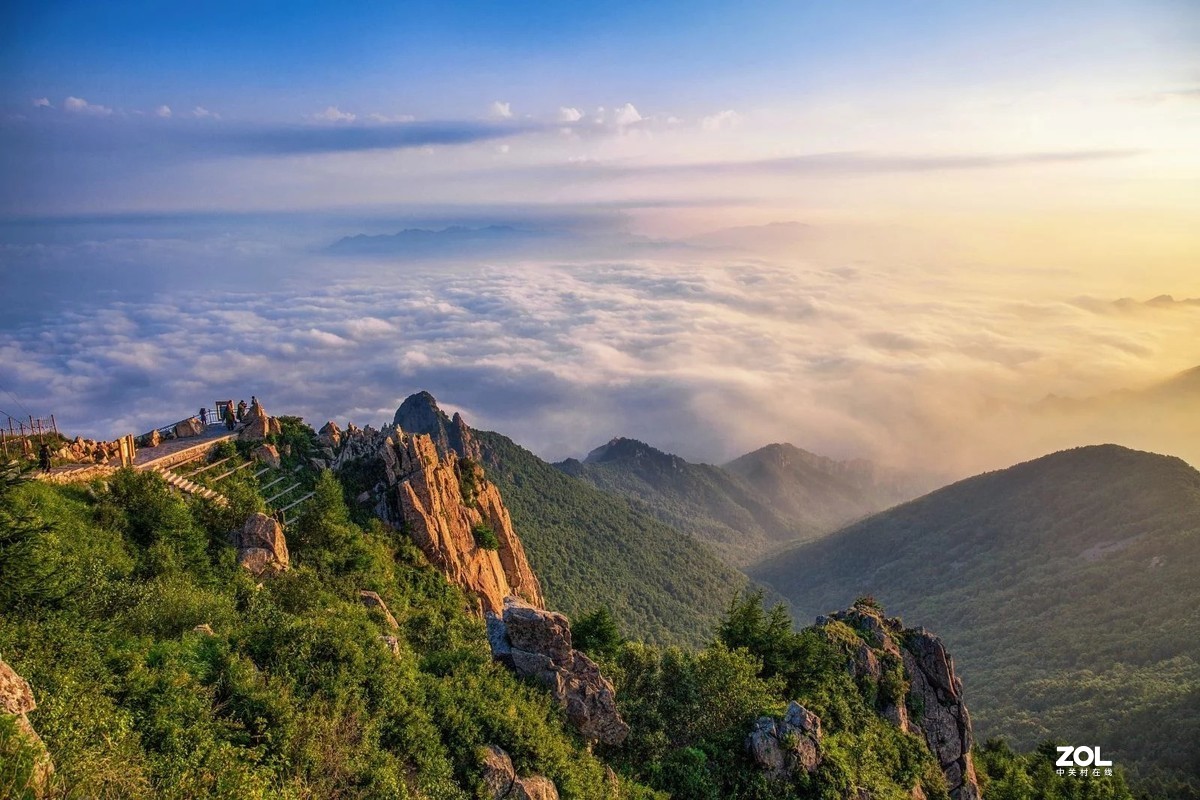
(706, 355)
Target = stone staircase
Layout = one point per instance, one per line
(177, 481)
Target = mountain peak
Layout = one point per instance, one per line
(420, 413)
(620, 448)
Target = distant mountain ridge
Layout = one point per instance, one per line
(773, 496)
(1070, 585)
(497, 240)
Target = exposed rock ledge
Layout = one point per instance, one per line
(537, 644)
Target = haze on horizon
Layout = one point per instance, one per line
(877, 230)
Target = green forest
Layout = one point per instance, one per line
(592, 549)
(1069, 587)
(162, 669)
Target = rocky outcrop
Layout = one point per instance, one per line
(784, 748)
(944, 719)
(330, 435)
(16, 700)
(501, 781)
(441, 501)
(258, 425)
(267, 454)
(915, 684)
(419, 413)
(537, 644)
(373, 600)
(261, 546)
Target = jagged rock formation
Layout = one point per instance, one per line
(917, 688)
(16, 699)
(441, 501)
(419, 413)
(537, 644)
(261, 546)
(258, 425)
(788, 746)
(330, 435)
(502, 782)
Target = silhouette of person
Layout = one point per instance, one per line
(44, 457)
(229, 419)
(241, 412)
(204, 417)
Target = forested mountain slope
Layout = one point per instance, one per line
(1070, 586)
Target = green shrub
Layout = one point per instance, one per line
(485, 537)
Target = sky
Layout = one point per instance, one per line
(873, 229)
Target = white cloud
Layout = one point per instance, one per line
(626, 115)
(200, 112)
(709, 356)
(502, 148)
(501, 110)
(569, 114)
(42, 102)
(722, 119)
(163, 111)
(392, 118)
(333, 114)
(77, 105)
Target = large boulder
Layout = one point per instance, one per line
(535, 787)
(498, 772)
(262, 548)
(537, 644)
(784, 748)
(189, 427)
(267, 454)
(16, 700)
(501, 782)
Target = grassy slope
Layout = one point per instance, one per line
(295, 695)
(1069, 587)
(590, 548)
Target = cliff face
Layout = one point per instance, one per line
(448, 507)
(916, 686)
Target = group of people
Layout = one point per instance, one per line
(227, 413)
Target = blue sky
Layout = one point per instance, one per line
(109, 106)
(808, 209)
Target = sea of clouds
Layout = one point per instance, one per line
(705, 352)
